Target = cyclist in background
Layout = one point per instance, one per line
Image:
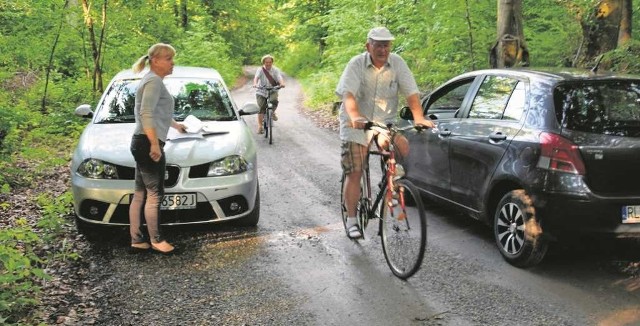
(267, 75)
(369, 88)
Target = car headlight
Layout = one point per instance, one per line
(97, 169)
(229, 165)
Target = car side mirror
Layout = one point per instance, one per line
(84, 111)
(249, 109)
(405, 113)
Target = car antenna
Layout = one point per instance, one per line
(595, 68)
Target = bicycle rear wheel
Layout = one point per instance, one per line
(403, 229)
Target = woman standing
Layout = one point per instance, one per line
(154, 115)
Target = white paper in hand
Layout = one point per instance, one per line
(192, 124)
(193, 127)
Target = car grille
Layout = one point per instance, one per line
(199, 171)
(171, 179)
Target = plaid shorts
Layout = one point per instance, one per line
(355, 157)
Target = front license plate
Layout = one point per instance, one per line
(631, 214)
(178, 201)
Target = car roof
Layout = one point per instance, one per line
(178, 72)
(556, 74)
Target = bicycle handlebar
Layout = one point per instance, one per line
(268, 88)
(372, 124)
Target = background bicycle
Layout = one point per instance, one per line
(267, 122)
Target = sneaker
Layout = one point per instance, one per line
(274, 117)
(261, 130)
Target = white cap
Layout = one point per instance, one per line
(380, 34)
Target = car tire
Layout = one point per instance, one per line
(253, 217)
(517, 233)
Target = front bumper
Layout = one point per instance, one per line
(100, 201)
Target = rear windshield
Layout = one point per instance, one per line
(603, 107)
(204, 98)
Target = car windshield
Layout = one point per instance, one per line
(610, 108)
(205, 99)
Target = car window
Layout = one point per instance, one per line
(447, 102)
(493, 96)
(119, 101)
(611, 108)
(206, 99)
(516, 105)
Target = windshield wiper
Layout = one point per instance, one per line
(117, 120)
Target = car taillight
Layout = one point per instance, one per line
(560, 154)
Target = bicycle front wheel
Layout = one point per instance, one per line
(270, 132)
(403, 228)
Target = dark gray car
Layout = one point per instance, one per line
(538, 155)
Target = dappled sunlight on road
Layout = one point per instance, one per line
(630, 284)
(237, 248)
(622, 317)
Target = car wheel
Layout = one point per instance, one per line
(253, 217)
(517, 232)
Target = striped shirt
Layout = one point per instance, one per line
(376, 92)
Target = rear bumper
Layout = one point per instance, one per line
(567, 215)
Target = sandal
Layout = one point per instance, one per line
(354, 232)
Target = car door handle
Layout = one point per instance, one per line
(445, 132)
(498, 136)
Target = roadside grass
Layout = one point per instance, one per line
(32, 234)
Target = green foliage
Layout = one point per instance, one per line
(624, 59)
(206, 49)
(19, 272)
(302, 59)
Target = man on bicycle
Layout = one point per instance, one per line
(369, 87)
(267, 75)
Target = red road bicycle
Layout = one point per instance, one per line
(398, 206)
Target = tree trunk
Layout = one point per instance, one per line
(470, 29)
(96, 46)
(98, 68)
(601, 30)
(184, 16)
(43, 109)
(510, 48)
(625, 22)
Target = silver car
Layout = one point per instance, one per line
(211, 175)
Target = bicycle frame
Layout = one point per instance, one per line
(388, 166)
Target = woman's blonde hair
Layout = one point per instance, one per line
(155, 50)
(265, 57)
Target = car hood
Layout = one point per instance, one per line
(111, 142)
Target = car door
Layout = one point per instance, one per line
(480, 138)
(428, 162)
